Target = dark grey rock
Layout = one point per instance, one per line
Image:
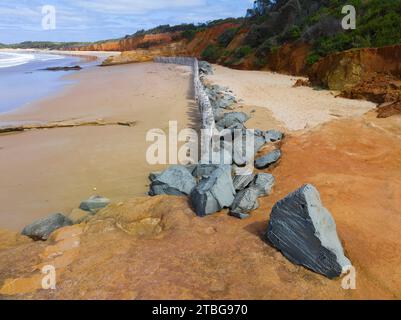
(273, 136)
(176, 181)
(244, 150)
(94, 204)
(305, 232)
(268, 159)
(204, 170)
(213, 193)
(241, 216)
(218, 114)
(43, 228)
(191, 168)
(153, 175)
(233, 120)
(245, 201)
(264, 183)
(243, 181)
(224, 101)
(205, 67)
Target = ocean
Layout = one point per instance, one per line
(23, 80)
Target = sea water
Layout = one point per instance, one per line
(24, 80)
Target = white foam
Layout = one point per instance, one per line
(11, 59)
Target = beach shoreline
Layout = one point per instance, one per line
(54, 169)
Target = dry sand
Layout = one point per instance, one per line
(48, 171)
(296, 108)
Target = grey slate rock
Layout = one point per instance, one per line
(205, 67)
(233, 120)
(241, 216)
(43, 228)
(204, 170)
(245, 201)
(268, 159)
(264, 183)
(218, 114)
(176, 181)
(153, 175)
(94, 204)
(273, 136)
(213, 193)
(243, 151)
(243, 181)
(305, 232)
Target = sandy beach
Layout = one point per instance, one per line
(47, 171)
(296, 108)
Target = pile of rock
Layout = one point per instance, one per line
(43, 228)
(212, 188)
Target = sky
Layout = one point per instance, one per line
(92, 20)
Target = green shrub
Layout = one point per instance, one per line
(211, 53)
(227, 36)
(189, 34)
(312, 59)
(257, 35)
(242, 52)
(292, 34)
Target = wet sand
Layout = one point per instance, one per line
(53, 170)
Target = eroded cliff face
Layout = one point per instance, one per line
(343, 70)
(132, 43)
(290, 59)
(373, 74)
(207, 37)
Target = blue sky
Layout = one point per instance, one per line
(90, 20)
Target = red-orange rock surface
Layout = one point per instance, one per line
(131, 43)
(209, 36)
(290, 59)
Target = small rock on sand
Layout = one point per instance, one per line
(268, 159)
(94, 204)
(42, 228)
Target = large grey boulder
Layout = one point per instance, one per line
(263, 183)
(273, 136)
(213, 193)
(243, 181)
(203, 170)
(245, 201)
(177, 180)
(233, 120)
(305, 232)
(43, 228)
(268, 159)
(205, 67)
(94, 204)
(245, 149)
(224, 101)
